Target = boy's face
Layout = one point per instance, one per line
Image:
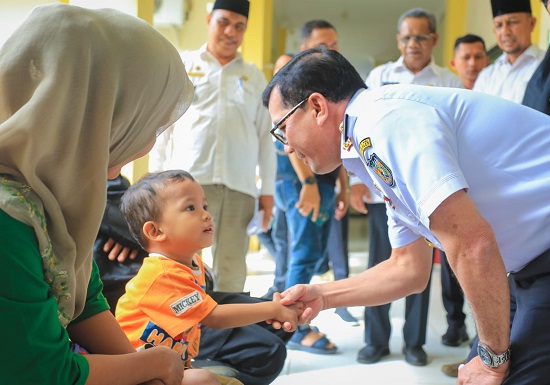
(185, 220)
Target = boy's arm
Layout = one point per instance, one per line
(242, 314)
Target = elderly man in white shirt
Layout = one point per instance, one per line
(510, 73)
(223, 138)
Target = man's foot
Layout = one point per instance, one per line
(310, 339)
(344, 313)
(451, 370)
(415, 355)
(371, 354)
(455, 337)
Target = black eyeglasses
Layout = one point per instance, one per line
(276, 131)
(420, 39)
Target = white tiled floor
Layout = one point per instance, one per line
(342, 368)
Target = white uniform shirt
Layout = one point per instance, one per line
(224, 135)
(419, 145)
(509, 81)
(397, 73)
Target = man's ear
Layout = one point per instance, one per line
(436, 38)
(533, 22)
(319, 106)
(453, 64)
(152, 232)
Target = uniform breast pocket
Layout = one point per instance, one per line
(244, 96)
(202, 88)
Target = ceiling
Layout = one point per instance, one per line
(366, 28)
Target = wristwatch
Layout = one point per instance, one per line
(490, 358)
(309, 180)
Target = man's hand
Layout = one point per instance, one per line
(309, 201)
(311, 296)
(118, 252)
(342, 199)
(265, 203)
(475, 372)
(290, 314)
(359, 194)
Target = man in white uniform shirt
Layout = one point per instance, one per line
(480, 194)
(416, 38)
(222, 139)
(508, 76)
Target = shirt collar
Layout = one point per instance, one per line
(532, 51)
(399, 65)
(207, 55)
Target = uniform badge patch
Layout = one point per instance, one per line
(381, 170)
(363, 145)
(347, 146)
(185, 303)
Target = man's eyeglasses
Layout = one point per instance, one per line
(418, 38)
(276, 131)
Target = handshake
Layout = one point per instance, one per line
(297, 305)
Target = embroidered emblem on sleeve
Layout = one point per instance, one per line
(185, 303)
(363, 145)
(381, 169)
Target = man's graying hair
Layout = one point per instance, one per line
(419, 13)
(315, 70)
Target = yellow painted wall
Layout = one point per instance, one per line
(257, 43)
(454, 26)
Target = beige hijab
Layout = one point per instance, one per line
(80, 91)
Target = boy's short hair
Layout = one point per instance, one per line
(143, 202)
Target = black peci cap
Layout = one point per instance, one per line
(502, 7)
(238, 6)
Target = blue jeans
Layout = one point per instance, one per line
(308, 240)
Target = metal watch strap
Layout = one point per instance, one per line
(495, 359)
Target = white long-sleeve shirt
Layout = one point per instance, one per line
(507, 80)
(224, 135)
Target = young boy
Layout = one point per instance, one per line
(165, 303)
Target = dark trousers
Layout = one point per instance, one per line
(530, 312)
(337, 247)
(377, 318)
(451, 293)
(257, 351)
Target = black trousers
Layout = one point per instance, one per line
(337, 247)
(377, 318)
(451, 294)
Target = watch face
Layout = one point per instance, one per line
(485, 356)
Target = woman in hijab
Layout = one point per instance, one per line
(82, 93)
